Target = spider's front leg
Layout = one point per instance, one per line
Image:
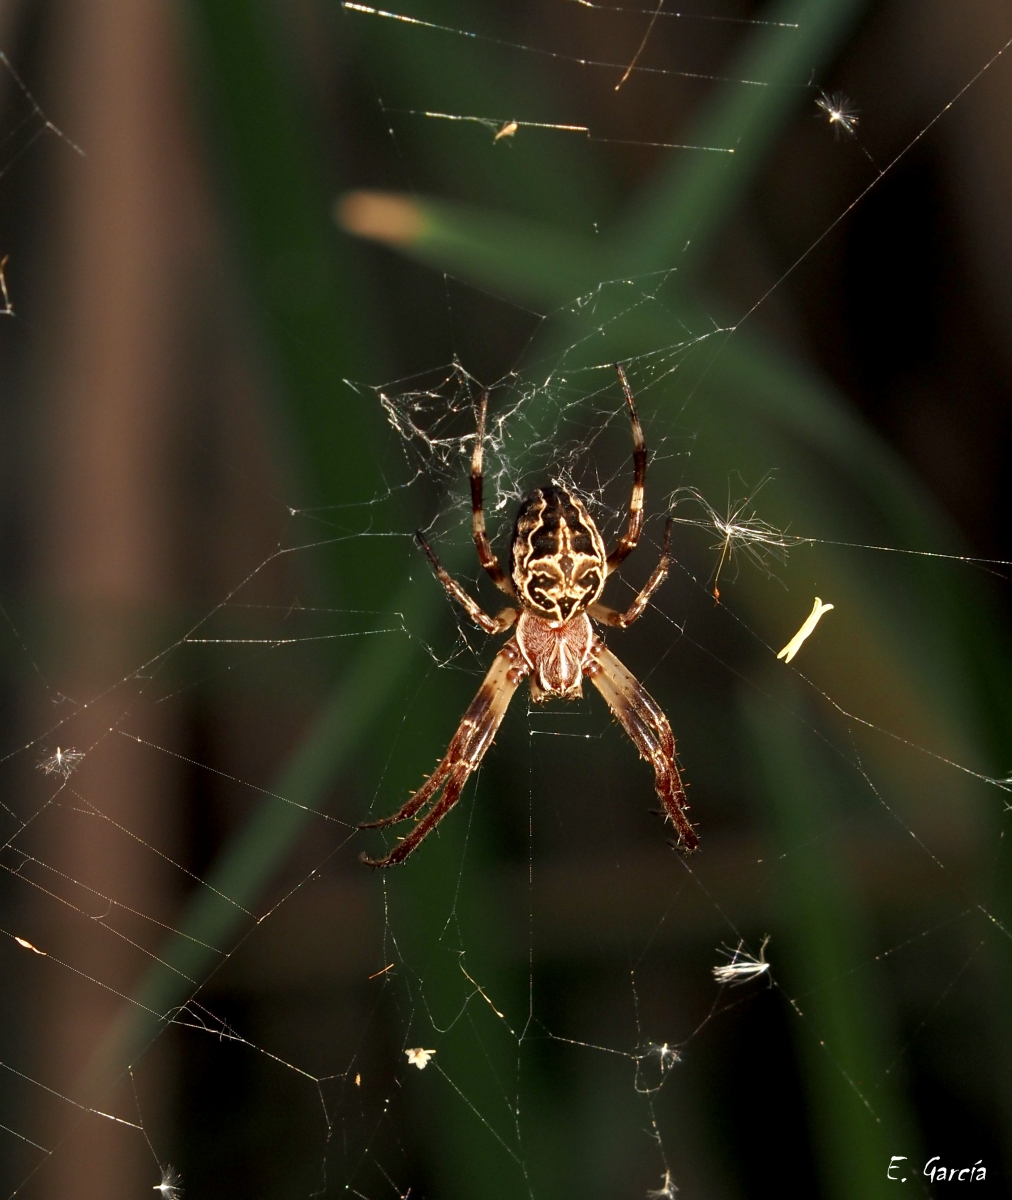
(627, 542)
(497, 624)
(641, 717)
(472, 739)
(608, 616)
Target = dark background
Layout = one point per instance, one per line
(181, 446)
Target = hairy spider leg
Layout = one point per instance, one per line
(641, 717)
(497, 624)
(466, 750)
(608, 616)
(627, 542)
(486, 556)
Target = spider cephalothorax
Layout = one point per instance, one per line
(558, 568)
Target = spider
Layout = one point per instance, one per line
(558, 568)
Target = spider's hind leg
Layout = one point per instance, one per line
(466, 750)
(641, 717)
(417, 799)
(455, 785)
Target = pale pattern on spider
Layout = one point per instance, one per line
(558, 569)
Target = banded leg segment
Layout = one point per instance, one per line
(486, 556)
(627, 542)
(608, 616)
(641, 717)
(497, 624)
(466, 750)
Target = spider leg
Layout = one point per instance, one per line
(641, 717)
(627, 542)
(417, 799)
(486, 555)
(467, 748)
(497, 624)
(601, 612)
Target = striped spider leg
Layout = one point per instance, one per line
(642, 718)
(473, 737)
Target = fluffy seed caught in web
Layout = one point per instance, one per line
(667, 1055)
(667, 1190)
(839, 112)
(171, 1185)
(62, 762)
(740, 530)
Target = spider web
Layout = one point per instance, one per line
(547, 999)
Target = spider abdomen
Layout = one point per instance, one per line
(557, 556)
(556, 654)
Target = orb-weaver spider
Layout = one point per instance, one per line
(558, 568)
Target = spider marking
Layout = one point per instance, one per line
(558, 569)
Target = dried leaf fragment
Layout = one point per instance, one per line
(814, 617)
